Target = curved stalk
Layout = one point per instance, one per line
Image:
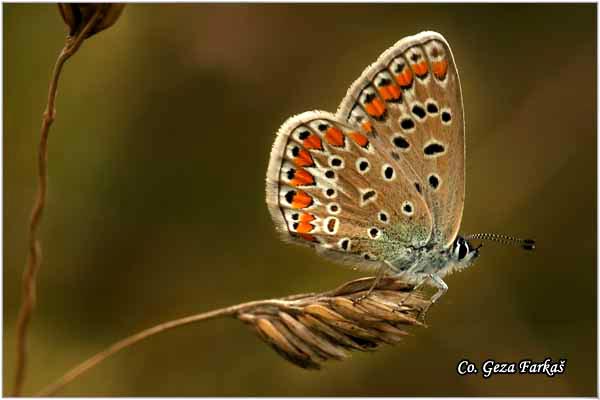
(138, 337)
(34, 258)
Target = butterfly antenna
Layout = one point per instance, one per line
(526, 244)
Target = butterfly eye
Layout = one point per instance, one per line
(463, 250)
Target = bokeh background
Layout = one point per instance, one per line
(156, 206)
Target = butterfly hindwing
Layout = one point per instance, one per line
(411, 99)
(335, 186)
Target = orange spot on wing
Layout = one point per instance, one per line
(334, 136)
(440, 68)
(313, 142)
(390, 92)
(404, 78)
(304, 227)
(359, 139)
(380, 106)
(303, 159)
(375, 108)
(367, 126)
(331, 225)
(302, 178)
(301, 200)
(306, 217)
(420, 68)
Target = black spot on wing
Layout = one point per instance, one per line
(407, 124)
(433, 149)
(419, 111)
(434, 181)
(368, 195)
(400, 142)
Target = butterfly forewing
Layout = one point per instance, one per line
(334, 185)
(385, 174)
(411, 99)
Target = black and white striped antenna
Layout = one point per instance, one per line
(526, 244)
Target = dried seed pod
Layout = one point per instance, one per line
(76, 15)
(331, 334)
(281, 344)
(349, 309)
(314, 339)
(308, 330)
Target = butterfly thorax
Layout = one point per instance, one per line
(432, 258)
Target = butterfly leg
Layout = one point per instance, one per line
(441, 289)
(437, 282)
(414, 289)
(378, 277)
(440, 285)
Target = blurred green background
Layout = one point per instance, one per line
(156, 194)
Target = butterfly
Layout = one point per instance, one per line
(380, 184)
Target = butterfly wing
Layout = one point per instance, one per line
(411, 97)
(334, 185)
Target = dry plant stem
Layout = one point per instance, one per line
(135, 338)
(35, 250)
(306, 329)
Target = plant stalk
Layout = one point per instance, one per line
(306, 329)
(137, 337)
(34, 258)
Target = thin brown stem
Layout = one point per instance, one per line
(306, 329)
(35, 249)
(137, 337)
